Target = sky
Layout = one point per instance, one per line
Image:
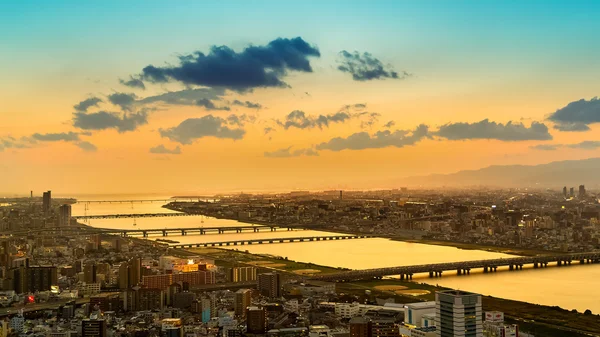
(219, 96)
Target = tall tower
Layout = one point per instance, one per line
(64, 216)
(242, 301)
(565, 192)
(581, 191)
(46, 201)
(458, 314)
(268, 284)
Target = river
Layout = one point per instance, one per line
(572, 287)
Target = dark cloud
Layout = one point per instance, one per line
(103, 120)
(546, 147)
(86, 146)
(133, 83)
(299, 119)
(54, 137)
(254, 67)
(123, 100)
(577, 115)
(16, 143)
(184, 97)
(161, 149)
(571, 127)
(209, 105)
(365, 67)
(287, 152)
(247, 104)
(492, 130)
(87, 103)
(389, 124)
(240, 120)
(370, 119)
(380, 139)
(208, 126)
(268, 130)
(586, 145)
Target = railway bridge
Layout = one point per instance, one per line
(462, 268)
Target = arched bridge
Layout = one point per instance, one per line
(269, 240)
(465, 267)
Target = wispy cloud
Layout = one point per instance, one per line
(366, 67)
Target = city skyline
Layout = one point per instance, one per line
(294, 96)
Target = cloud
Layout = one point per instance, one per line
(86, 146)
(254, 67)
(10, 142)
(299, 119)
(491, 130)
(389, 124)
(586, 145)
(546, 147)
(208, 126)
(123, 100)
(103, 120)
(247, 104)
(268, 130)
(365, 67)
(209, 105)
(184, 97)
(133, 83)
(286, 153)
(371, 119)
(161, 149)
(86, 104)
(577, 115)
(54, 137)
(240, 120)
(380, 139)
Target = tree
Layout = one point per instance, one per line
(587, 312)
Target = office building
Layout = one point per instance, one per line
(582, 193)
(458, 314)
(163, 281)
(106, 302)
(183, 300)
(93, 328)
(494, 326)
(47, 202)
(89, 273)
(268, 285)
(360, 327)
(40, 278)
(242, 274)
(256, 320)
(571, 192)
(124, 276)
(242, 301)
(64, 216)
(384, 327)
(565, 192)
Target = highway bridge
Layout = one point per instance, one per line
(269, 240)
(142, 201)
(462, 268)
(132, 215)
(156, 232)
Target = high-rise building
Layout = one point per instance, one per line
(47, 201)
(89, 273)
(93, 328)
(384, 328)
(64, 216)
(581, 191)
(242, 301)
(256, 320)
(565, 191)
(242, 274)
(458, 314)
(124, 276)
(268, 285)
(135, 271)
(41, 278)
(572, 192)
(360, 327)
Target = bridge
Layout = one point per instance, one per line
(156, 232)
(462, 268)
(132, 215)
(141, 201)
(270, 240)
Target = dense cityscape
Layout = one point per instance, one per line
(62, 277)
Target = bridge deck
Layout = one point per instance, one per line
(269, 240)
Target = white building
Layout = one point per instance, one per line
(494, 326)
(88, 289)
(414, 312)
(458, 314)
(347, 310)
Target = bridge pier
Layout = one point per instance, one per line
(535, 265)
(495, 268)
(510, 267)
(431, 274)
(145, 234)
(183, 232)
(559, 263)
(164, 233)
(485, 269)
(459, 271)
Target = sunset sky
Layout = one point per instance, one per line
(211, 96)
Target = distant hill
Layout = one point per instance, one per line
(571, 173)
